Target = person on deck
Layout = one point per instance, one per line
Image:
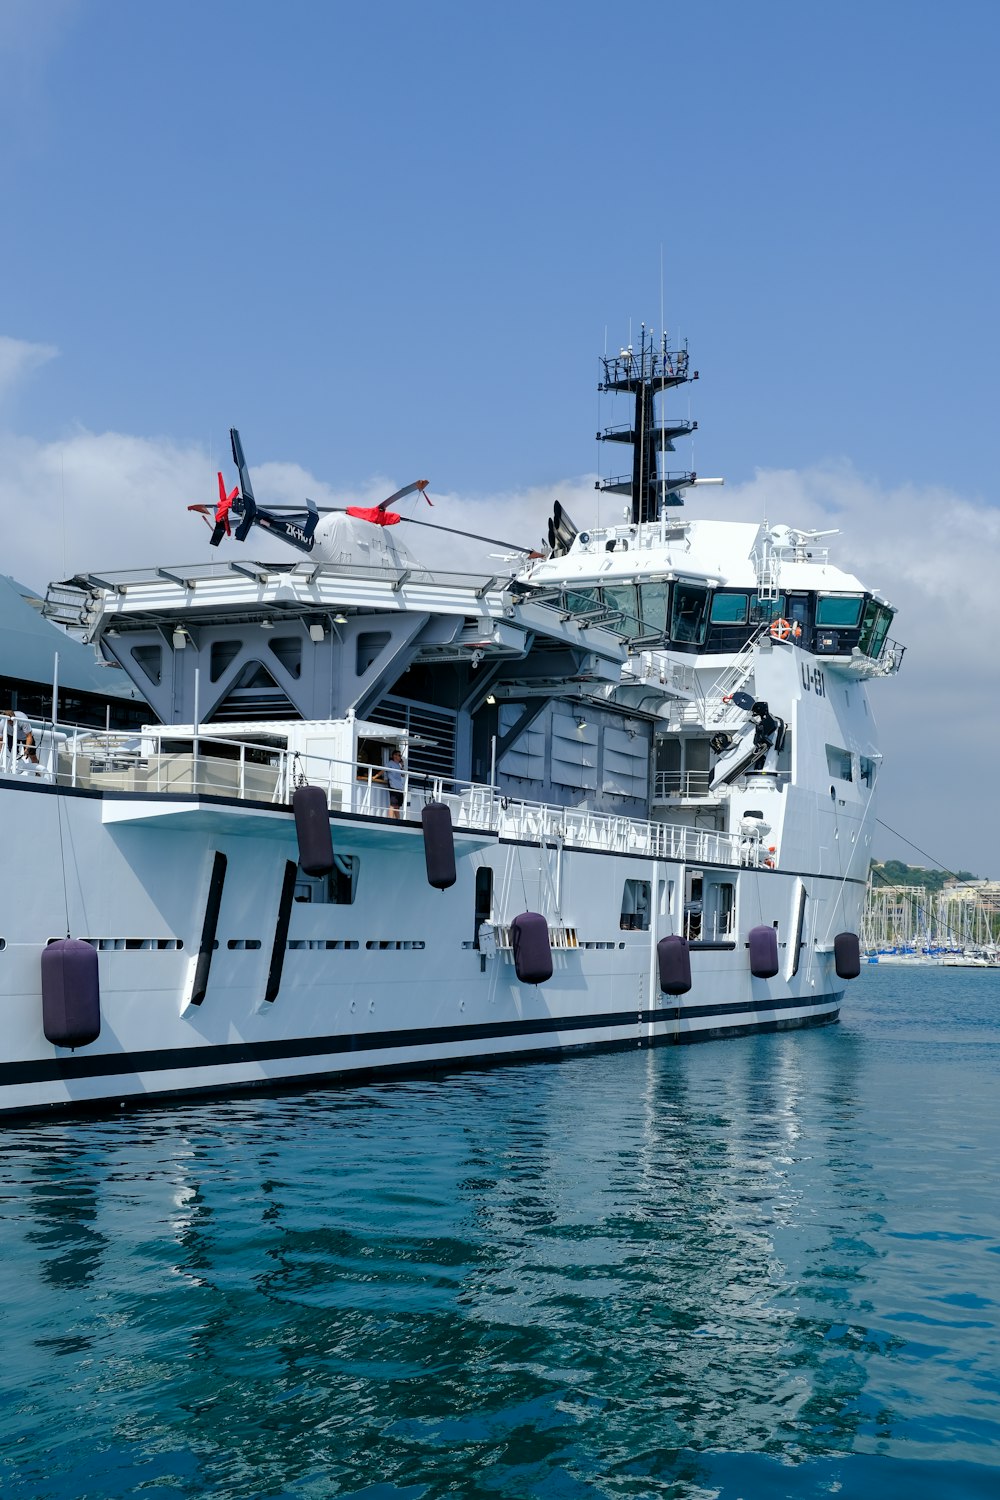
(394, 778)
(16, 734)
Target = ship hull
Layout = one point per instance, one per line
(394, 977)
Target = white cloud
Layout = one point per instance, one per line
(18, 359)
(102, 501)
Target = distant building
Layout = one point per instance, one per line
(979, 892)
(91, 692)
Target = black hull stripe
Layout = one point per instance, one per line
(386, 1072)
(114, 1065)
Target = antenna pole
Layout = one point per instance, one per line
(644, 374)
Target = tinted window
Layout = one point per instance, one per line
(624, 598)
(654, 608)
(729, 609)
(843, 611)
(689, 615)
(881, 631)
(582, 601)
(868, 626)
(767, 609)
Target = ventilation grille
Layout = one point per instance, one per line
(435, 757)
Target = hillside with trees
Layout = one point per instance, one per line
(895, 872)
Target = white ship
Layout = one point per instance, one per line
(639, 771)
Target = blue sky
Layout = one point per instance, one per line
(391, 240)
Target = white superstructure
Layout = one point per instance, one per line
(659, 729)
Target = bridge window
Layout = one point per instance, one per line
(840, 610)
(624, 598)
(767, 609)
(729, 609)
(654, 608)
(689, 615)
(874, 628)
(582, 601)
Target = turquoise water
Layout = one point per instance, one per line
(756, 1268)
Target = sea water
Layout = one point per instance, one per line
(755, 1268)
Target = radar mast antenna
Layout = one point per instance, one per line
(643, 374)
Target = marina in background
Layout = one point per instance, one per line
(949, 921)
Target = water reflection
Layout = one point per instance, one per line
(585, 1279)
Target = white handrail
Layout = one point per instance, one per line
(162, 759)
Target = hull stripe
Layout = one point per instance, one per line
(116, 1064)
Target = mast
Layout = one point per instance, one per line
(645, 375)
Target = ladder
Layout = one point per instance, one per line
(768, 570)
(719, 712)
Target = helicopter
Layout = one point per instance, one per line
(320, 531)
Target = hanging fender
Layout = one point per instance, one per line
(439, 845)
(312, 829)
(71, 993)
(763, 945)
(529, 940)
(673, 958)
(847, 955)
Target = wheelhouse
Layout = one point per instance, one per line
(689, 615)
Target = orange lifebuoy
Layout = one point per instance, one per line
(781, 630)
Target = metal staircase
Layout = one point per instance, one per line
(719, 712)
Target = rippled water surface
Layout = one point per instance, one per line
(756, 1268)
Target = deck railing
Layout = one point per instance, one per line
(179, 763)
